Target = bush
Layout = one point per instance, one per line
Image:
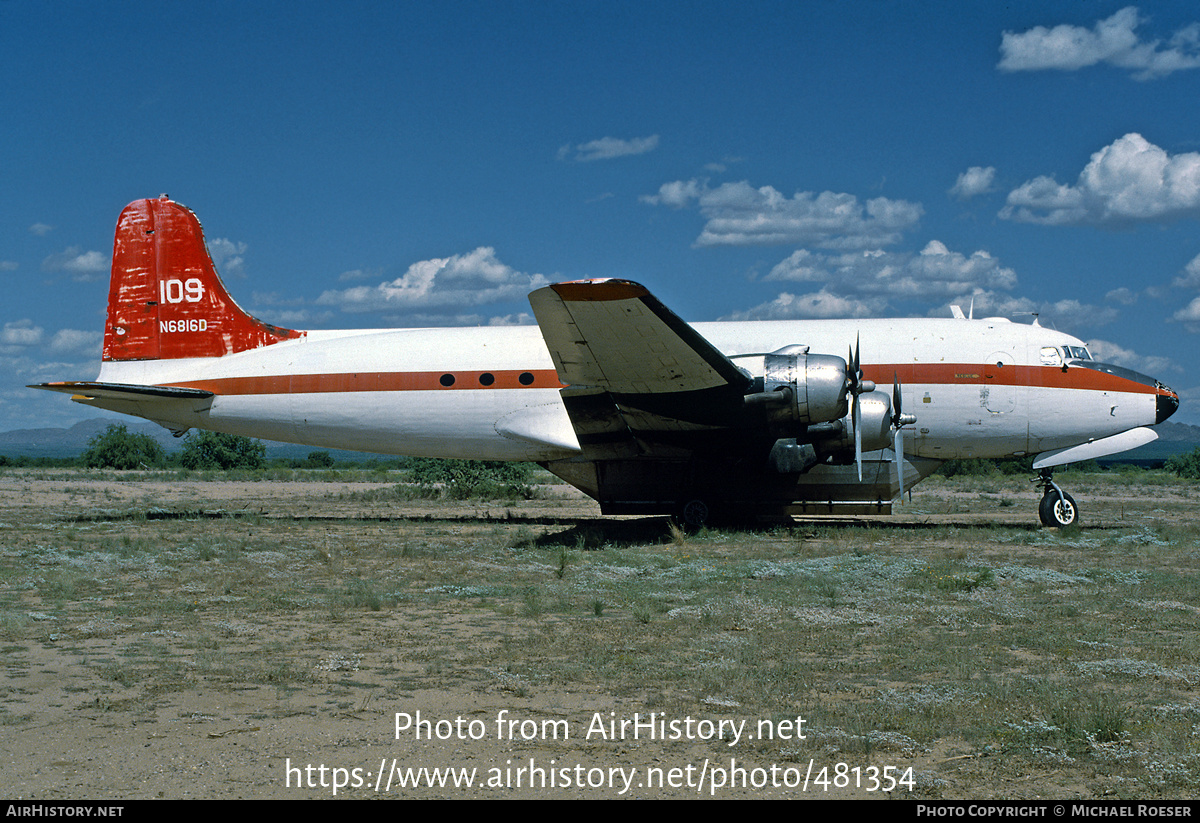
(116, 448)
(986, 467)
(318, 460)
(461, 479)
(1185, 465)
(217, 450)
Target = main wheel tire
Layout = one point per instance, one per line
(1058, 512)
(694, 513)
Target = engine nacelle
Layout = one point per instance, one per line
(836, 442)
(800, 389)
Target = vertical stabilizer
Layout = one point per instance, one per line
(165, 298)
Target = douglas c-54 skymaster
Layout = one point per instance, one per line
(614, 393)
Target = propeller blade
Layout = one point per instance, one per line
(856, 386)
(899, 421)
(857, 438)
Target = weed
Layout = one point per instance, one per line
(534, 603)
(564, 561)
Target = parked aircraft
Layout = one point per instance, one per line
(614, 393)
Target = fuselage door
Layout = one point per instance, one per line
(998, 392)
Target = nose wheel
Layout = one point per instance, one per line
(1057, 509)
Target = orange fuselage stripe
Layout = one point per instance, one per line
(948, 374)
(1049, 377)
(377, 382)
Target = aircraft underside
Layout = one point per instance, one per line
(701, 490)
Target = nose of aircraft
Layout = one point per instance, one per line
(1165, 403)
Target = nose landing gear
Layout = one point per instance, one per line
(1057, 508)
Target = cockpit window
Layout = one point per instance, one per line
(1077, 353)
(1051, 356)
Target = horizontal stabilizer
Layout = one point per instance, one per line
(1097, 448)
(124, 391)
(173, 407)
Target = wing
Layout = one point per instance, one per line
(640, 380)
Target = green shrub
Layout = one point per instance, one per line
(216, 450)
(116, 448)
(1185, 465)
(462, 479)
(319, 460)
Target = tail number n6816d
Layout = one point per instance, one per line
(177, 291)
(192, 324)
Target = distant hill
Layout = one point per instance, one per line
(1173, 438)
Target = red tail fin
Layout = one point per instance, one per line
(165, 299)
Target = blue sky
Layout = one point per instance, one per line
(379, 164)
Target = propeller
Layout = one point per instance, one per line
(856, 386)
(899, 421)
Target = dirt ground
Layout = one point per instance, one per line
(163, 688)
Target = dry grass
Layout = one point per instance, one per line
(996, 658)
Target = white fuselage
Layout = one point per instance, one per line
(978, 388)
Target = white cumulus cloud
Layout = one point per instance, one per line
(1189, 315)
(21, 333)
(739, 214)
(608, 148)
(1108, 352)
(76, 341)
(227, 256)
(1191, 275)
(974, 181)
(819, 304)
(472, 279)
(1113, 41)
(1130, 181)
(935, 272)
(80, 265)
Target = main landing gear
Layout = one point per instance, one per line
(694, 513)
(1057, 508)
